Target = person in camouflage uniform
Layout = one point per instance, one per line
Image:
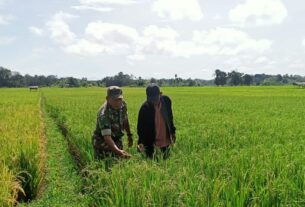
(112, 121)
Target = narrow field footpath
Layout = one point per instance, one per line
(62, 184)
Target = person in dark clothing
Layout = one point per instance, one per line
(155, 123)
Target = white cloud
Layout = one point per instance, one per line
(2, 20)
(157, 41)
(119, 2)
(117, 39)
(105, 38)
(37, 31)
(6, 40)
(155, 32)
(261, 60)
(259, 13)
(109, 33)
(226, 41)
(85, 48)
(217, 17)
(60, 30)
(220, 41)
(178, 9)
(297, 65)
(93, 8)
(303, 42)
(216, 42)
(2, 2)
(136, 57)
(5, 19)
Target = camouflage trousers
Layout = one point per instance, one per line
(102, 150)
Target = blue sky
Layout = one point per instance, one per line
(152, 38)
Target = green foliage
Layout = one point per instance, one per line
(247, 79)
(220, 77)
(234, 78)
(28, 175)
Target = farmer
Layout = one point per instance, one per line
(112, 120)
(155, 123)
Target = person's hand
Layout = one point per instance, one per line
(174, 138)
(130, 141)
(123, 154)
(140, 147)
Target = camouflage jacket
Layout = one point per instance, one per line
(111, 122)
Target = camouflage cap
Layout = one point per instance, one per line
(114, 92)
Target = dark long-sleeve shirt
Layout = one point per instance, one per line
(146, 121)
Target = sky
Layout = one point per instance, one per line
(152, 38)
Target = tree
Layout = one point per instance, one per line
(285, 78)
(279, 78)
(235, 78)
(153, 80)
(17, 80)
(140, 82)
(83, 82)
(160, 82)
(176, 80)
(259, 78)
(271, 81)
(190, 82)
(5, 75)
(221, 77)
(247, 79)
(72, 82)
(120, 79)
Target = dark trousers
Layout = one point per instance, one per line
(102, 150)
(153, 153)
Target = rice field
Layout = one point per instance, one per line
(236, 146)
(21, 157)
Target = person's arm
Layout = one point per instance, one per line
(105, 126)
(121, 153)
(128, 131)
(171, 120)
(126, 125)
(140, 128)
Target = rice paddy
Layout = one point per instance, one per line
(236, 146)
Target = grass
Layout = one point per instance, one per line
(20, 129)
(9, 187)
(238, 146)
(63, 184)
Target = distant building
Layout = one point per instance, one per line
(35, 88)
(300, 84)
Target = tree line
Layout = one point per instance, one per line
(9, 78)
(235, 78)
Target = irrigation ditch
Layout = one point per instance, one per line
(62, 178)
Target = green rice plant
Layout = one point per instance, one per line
(9, 187)
(63, 185)
(236, 146)
(20, 127)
